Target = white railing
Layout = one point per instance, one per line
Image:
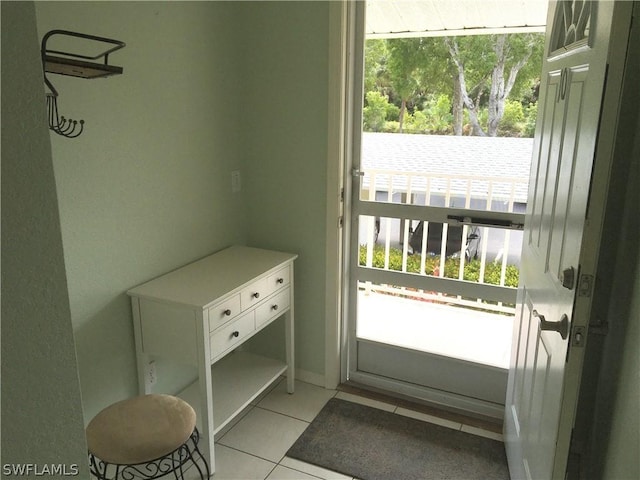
(392, 204)
(497, 186)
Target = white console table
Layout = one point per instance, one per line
(201, 313)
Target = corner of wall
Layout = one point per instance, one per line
(41, 404)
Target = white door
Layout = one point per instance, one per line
(551, 320)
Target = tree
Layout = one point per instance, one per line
(404, 61)
(417, 68)
(489, 65)
(461, 94)
(478, 73)
(376, 56)
(375, 112)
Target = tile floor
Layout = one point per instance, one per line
(254, 446)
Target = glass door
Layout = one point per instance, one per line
(435, 238)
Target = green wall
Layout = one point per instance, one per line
(41, 407)
(208, 88)
(147, 187)
(284, 122)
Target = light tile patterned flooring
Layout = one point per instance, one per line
(254, 446)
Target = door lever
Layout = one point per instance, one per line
(562, 326)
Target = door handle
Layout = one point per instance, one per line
(568, 277)
(561, 326)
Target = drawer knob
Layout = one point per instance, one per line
(235, 334)
(280, 281)
(256, 295)
(274, 307)
(227, 312)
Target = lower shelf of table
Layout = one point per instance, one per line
(237, 380)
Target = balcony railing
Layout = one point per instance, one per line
(456, 238)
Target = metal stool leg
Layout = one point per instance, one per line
(173, 462)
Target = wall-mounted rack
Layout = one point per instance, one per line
(75, 65)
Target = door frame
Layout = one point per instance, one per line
(343, 35)
(336, 136)
(346, 49)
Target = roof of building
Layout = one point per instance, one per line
(393, 18)
(500, 159)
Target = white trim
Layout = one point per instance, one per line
(335, 183)
(343, 30)
(355, 100)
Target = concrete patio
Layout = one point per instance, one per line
(447, 330)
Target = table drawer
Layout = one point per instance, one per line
(232, 334)
(279, 280)
(224, 311)
(273, 307)
(254, 293)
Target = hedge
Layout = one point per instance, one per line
(471, 273)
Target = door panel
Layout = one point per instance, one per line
(564, 243)
(535, 397)
(435, 371)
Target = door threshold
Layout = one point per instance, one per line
(422, 406)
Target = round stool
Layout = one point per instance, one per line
(144, 437)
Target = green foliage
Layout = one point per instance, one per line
(492, 272)
(393, 112)
(392, 126)
(478, 54)
(395, 260)
(531, 116)
(512, 123)
(376, 56)
(405, 58)
(438, 110)
(435, 118)
(416, 123)
(374, 113)
(471, 273)
(419, 73)
(513, 114)
(529, 76)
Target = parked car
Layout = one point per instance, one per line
(454, 239)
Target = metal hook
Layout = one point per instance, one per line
(65, 127)
(75, 65)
